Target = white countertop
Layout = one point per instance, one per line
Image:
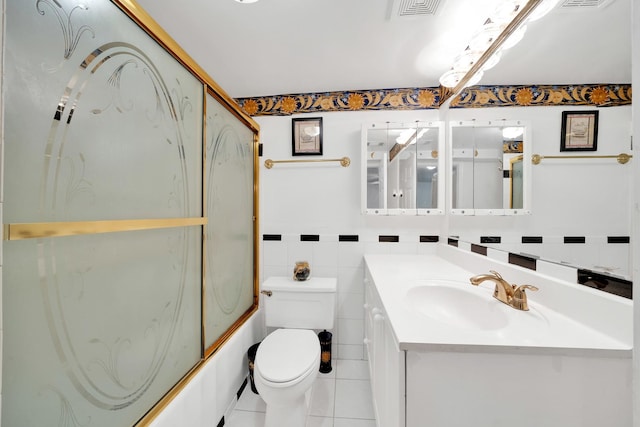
(540, 329)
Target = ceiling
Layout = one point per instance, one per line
(276, 47)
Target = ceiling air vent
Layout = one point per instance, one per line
(584, 4)
(409, 8)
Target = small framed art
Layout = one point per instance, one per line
(579, 131)
(307, 136)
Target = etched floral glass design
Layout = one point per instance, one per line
(229, 249)
(101, 124)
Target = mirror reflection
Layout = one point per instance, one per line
(580, 207)
(488, 172)
(581, 212)
(402, 169)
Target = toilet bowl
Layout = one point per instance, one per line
(288, 359)
(285, 368)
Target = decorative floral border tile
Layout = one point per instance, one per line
(382, 99)
(599, 95)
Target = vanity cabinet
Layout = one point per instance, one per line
(386, 362)
(540, 368)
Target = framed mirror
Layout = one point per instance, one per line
(401, 168)
(488, 174)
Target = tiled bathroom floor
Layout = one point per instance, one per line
(341, 398)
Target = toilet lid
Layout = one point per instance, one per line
(286, 354)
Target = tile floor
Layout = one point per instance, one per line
(341, 398)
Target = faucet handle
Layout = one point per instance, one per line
(519, 299)
(522, 288)
(495, 273)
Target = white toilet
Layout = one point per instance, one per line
(288, 359)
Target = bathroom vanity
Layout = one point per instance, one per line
(445, 353)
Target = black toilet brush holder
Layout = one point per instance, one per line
(325, 351)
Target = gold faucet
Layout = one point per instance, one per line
(519, 300)
(505, 292)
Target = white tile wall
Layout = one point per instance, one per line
(350, 255)
(350, 279)
(325, 253)
(274, 253)
(351, 331)
(300, 251)
(211, 394)
(350, 305)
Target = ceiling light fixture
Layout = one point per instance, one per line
(486, 35)
(502, 30)
(452, 77)
(246, 1)
(469, 57)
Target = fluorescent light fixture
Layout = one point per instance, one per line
(246, 1)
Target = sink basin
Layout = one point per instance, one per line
(458, 304)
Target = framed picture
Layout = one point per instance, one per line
(579, 131)
(307, 136)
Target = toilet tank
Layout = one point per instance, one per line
(308, 304)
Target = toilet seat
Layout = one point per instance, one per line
(287, 354)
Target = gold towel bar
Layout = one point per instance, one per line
(622, 158)
(344, 162)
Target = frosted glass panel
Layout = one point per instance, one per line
(229, 233)
(101, 122)
(98, 328)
